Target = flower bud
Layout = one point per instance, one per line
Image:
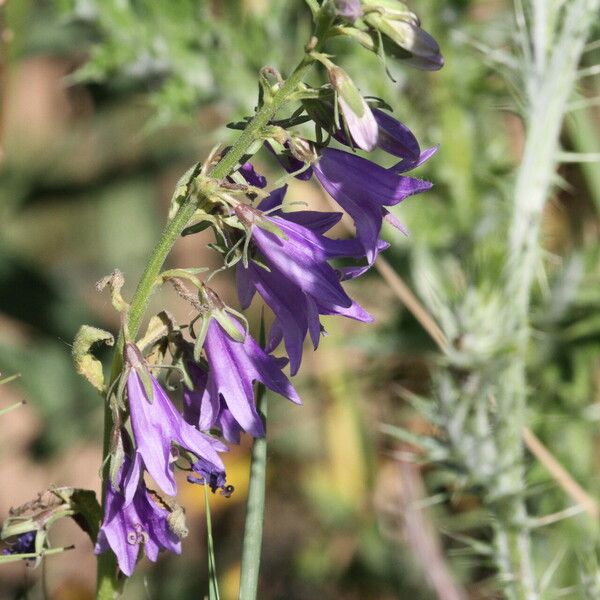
(402, 32)
(348, 9)
(355, 111)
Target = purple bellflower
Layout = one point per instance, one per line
(139, 522)
(192, 402)
(157, 425)
(298, 284)
(228, 400)
(363, 189)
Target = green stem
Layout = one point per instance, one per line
(107, 584)
(255, 509)
(213, 585)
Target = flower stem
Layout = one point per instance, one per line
(108, 587)
(213, 585)
(255, 509)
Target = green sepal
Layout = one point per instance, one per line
(362, 37)
(146, 380)
(86, 364)
(182, 188)
(345, 87)
(261, 264)
(269, 226)
(196, 228)
(120, 393)
(117, 458)
(320, 112)
(228, 325)
(201, 335)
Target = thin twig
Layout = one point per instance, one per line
(560, 474)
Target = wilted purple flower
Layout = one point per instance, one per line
(157, 425)
(250, 174)
(363, 189)
(24, 544)
(206, 475)
(129, 525)
(299, 284)
(233, 367)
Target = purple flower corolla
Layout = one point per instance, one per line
(393, 136)
(24, 544)
(299, 284)
(192, 402)
(363, 189)
(290, 163)
(250, 174)
(233, 367)
(157, 425)
(129, 525)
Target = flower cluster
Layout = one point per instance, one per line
(288, 258)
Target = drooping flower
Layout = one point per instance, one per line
(138, 524)
(298, 284)
(233, 366)
(363, 189)
(157, 426)
(206, 475)
(192, 401)
(393, 136)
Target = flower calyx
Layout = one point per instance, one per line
(214, 308)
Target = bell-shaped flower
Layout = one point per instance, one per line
(235, 362)
(139, 524)
(192, 401)
(298, 283)
(363, 189)
(157, 426)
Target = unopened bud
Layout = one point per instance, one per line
(356, 112)
(406, 40)
(348, 9)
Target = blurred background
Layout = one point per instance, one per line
(104, 104)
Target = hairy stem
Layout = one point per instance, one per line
(108, 586)
(552, 78)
